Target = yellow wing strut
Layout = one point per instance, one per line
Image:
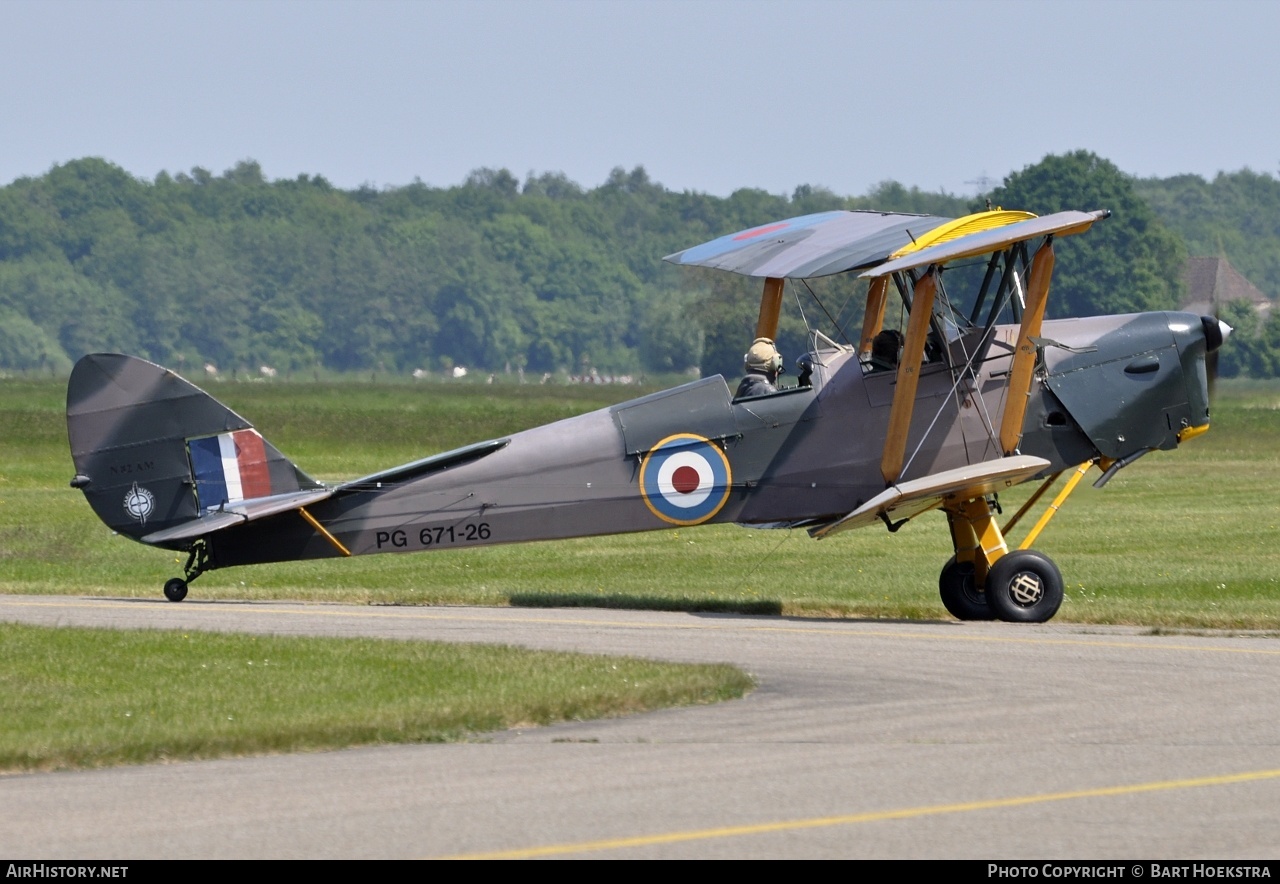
(904, 395)
(1024, 358)
(770, 308)
(323, 531)
(873, 319)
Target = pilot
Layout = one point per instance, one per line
(886, 348)
(763, 364)
(805, 364)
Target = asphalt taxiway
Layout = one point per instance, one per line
(864, 739)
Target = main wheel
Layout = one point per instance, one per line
(960, 594)
(1024, 586)
(175, 590)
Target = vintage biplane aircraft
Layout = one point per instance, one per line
(986, 394)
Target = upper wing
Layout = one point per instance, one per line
(986, 241)
(810, 245)
(826, 243)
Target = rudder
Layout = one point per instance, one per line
(152, 450)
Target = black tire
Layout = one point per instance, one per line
(960, 594)
(175, 590)
(1024, 586)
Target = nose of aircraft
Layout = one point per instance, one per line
(1198, 366)
(1136, 383)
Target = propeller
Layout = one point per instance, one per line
(1215, 333)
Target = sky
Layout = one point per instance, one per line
(706, 95)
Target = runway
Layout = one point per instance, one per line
(865, 739)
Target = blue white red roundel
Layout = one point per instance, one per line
(685, 479)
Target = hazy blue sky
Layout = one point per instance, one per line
(706, 95)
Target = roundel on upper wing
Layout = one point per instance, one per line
(685, 479)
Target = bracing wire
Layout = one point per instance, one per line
(800, 306)
(764, 558)
(834, 323)
(957, 375)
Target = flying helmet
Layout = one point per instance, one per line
(763, 356)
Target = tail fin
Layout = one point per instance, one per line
(153, 451)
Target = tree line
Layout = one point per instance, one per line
(496, 274)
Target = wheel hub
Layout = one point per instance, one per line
(1026, 588)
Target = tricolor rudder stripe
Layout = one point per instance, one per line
(685, 479)
(229, 467)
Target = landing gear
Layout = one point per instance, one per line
(1019, 585)
(960, 593)
(175, 589)
(1024, 586)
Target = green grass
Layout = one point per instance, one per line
(92, 697)
(1184, 539)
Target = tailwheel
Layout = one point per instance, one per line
(1024, 586)
(960, 593)
(175, 590)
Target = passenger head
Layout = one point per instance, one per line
(763, 357)
(887, 346)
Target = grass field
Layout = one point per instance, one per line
(92, 697)
(1184, 539)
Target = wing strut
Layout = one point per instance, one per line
(873, 319)
(1024, 358)
(770, 308)
(904, 396)
(314, 523)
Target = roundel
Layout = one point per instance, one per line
(685, 479)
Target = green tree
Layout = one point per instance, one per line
(240, 270)
(1236, 216)
(25, 346)
(669, 340)
(890, 196)
(1253, 348)
(1128, 263)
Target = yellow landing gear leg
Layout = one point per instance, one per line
(985, 580)
(978, 542)
(1053, 507)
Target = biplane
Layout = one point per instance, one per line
(986, 393)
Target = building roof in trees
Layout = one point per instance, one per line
(1213, 281)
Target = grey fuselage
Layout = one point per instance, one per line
(1106, 387)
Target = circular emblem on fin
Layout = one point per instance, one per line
(685, 479)
(139, 502)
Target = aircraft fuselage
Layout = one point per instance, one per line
(1108, 387)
